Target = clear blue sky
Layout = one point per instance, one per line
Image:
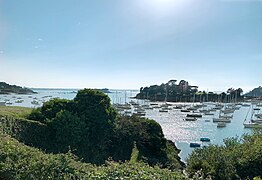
(215, 44)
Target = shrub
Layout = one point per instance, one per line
(18, 161)
(236, 159)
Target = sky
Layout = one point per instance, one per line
(128, 44)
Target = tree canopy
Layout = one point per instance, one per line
(89, 126)
(184, 92)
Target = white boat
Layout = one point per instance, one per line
(226, 120)
(252, 125)
(259, 105)
(163, 110)
(8, 103)
(19, 101)
(35, 102)
(221, 124)
(226, 116)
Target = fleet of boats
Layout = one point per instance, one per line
(256, 117)
(16, 101)
(220, 114)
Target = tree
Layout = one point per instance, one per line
(85, 124)
(49, 110)
(94, 109)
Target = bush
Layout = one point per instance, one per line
(49, 110)
(29, 132)
(152, 146)
(18, 161)
(89, 126)
(84, 124)
(236, 159)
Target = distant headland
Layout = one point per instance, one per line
(104, 90)
(8, 89)
(257, 92)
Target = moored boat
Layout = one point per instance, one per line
(252, 125)
(205, 139)
(184, 110)
(194, 145)
(221, 124)
(194, 115)
(226, 120)
(190, 119)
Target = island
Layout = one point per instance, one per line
(184, 92)
(8, 89)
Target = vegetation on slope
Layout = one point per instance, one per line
(91, 128)
(7, 89)
(13, 111)
(72, 126)
(18, 161)
(237, 159)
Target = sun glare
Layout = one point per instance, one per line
(161, 8)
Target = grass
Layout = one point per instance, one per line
(14, 111)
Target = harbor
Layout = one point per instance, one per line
(183, 123)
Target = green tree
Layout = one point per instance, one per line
(49, 110)
(94, 109)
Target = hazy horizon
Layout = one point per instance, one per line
(134, 89)
(131, 44)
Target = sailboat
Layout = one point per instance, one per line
(254, 121)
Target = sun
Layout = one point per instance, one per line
(161, 8)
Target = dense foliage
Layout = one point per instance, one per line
(183, 92)
(18, 161)
(237, 159)
(84, 125)
(89, 126)
(7, 89)
(149, 138)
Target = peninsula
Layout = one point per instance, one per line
(8, 89)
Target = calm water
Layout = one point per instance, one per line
(174, 127)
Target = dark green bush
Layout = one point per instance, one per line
(236, 159)
(89, 126)
(153, 147)
(29, 132)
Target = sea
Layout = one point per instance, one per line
(174, 127)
